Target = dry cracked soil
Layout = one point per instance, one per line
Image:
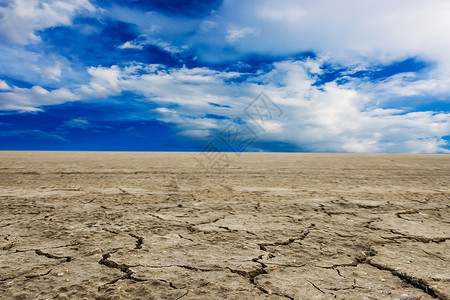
(270, 226)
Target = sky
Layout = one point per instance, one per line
(132, 75)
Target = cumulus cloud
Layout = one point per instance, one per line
(348, 30)
(37, 67)
(350, 33)
(31, 99)
(346, 114)
(333, 117)
(406, 84)
(144, 40)
(4, 86)
(131, 45)
(20, 19)
(51, 72)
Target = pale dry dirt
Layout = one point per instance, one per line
(274, 226)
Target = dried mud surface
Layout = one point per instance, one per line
(275, 226)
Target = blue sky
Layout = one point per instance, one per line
(130, 75)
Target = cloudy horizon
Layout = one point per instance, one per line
(348, 76)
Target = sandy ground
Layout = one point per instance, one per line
(273, 226)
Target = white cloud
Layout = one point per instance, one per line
(330, 118)
(164, 110)
(51, 72)
(131, 45)
(105, 82)
(195, 133)
(349, 34)
(22, 18)
(142, 41)
(3, 85)
(333, 117)
(274, 12)
(352, 33)
(39, 68)
(237, 33)
(207, 25)
(406, 84)
(31, 99)
(78, 123)
(347, 30)
(83, 124)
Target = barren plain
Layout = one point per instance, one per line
(81, 225)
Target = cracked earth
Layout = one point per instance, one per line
(275, 226)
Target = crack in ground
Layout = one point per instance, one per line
(343, 235)
(408, 212)
(49, 255)
(235, 230)
(121, 267)
(252, 275)
(182, 237)
(122, 190)
(191, 229)
(262, 246)
(8, 247)
(255, 273)
(354, 285)
(330, 213)
(252, 278)
(110, 231)
(435, 255)
(287, 266)
(315, 286)
(112, 264)
(413, 281)
(208, 222)
(171, 285)
(38, 275)
(187, 292)
(335, 267)
(182, 266)
(162, 219)
(182, 222)
(365, 258)
(139, 242)
(26, 276)
(177, 206)
(56, 247)
(421, 239)
(7, 278)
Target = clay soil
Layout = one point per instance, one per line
(271, 226)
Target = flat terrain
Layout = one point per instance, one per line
(272, 226)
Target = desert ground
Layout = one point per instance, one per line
(93, 225)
